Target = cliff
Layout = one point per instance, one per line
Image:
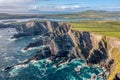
(65, 44)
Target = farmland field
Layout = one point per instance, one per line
(107, 28)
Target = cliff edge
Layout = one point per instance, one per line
(65, 44)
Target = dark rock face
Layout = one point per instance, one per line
(85, 43)
(35, 44)
(3, 26)
(34, 28)
(62, 41)
(66, 44)
(7, 26)
(98, 55)
(117, 77)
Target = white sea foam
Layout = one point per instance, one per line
(54, 66)
(78, 62)
(29, 49)
(21, 66)
(44, 71)
(78, 68)
(33, 61)
(12, 39)
(34, 38)
(61, 66)
(13, 73)
(19, 61)
(38, 37)
(17, 69)
(33, 48)
(48, 61)
(94, 77)
(24, 51)
(40, 66)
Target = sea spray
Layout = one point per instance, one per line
(15, 71)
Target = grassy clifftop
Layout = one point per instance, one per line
(116, 56)
(88, 14)
(107, 28)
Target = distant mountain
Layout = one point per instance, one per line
(19, 16)
(90, 14)
(49, 12)
(84, 14)
(4, 15)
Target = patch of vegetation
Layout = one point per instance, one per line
(88, 14)
(116, 56)
(104, 27)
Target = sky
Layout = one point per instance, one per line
(57, 6)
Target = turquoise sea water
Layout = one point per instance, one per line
(11, 53)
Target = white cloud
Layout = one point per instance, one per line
(15, 1)
(24, 6)
(57, 7)
(15, 6)
(70, 7)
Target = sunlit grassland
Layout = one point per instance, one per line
(116, 57)
(108, 28)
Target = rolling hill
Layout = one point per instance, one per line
(84, 14)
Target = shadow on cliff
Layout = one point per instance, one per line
(99, 55)
(85, 44)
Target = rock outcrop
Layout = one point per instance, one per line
(34, 28)
(117, 77)
(7, 25)
(66, 44)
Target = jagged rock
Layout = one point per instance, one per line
(35, 44)
(7, 26)
(3, 26)
(66, 44)
(60, 37)
(98, 55)
(34, 28)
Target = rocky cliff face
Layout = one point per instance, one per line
(117, 77)
(66, 44)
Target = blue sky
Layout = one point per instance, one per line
(39, 6)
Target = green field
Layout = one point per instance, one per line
(108, 28)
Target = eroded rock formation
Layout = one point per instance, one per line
(66, 44)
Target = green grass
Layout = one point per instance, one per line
(116, 56)
(107, 28)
